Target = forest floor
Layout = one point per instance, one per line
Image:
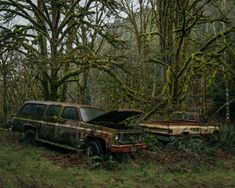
(44, 166)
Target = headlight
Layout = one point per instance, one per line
(117, 137)
(140, 137)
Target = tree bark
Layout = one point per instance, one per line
(5, 106)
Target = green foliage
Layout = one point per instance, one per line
(225, 139)
(168, 84)
(192, 144)
(175, 57)
(152, 143)
(111, 163)
(27, 166)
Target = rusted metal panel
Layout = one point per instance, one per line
(116, 116)
(127, 148)
(179, 127)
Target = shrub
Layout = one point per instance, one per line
(192, 144)
(152, 143)
(225, 138)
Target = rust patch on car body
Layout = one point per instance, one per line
(182, 123)
(74, 126)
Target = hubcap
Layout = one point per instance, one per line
(89, 151)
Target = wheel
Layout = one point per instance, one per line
(216, 134)
(30, 137)
(94, 148)
(213, 139)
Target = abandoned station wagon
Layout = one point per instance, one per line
(78, 127)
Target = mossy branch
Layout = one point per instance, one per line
(71, 74)
(204, 47)
(40, 14)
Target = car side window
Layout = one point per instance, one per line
(70, 113)
(191, 117)
(53, 110)
(203, 120)
(35, 110)
(178, 117)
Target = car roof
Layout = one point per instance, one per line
(60, 103)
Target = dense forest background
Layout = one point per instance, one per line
(155, 55)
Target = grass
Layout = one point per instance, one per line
(42, 166)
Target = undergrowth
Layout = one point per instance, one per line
(226, 138)
(160, 166)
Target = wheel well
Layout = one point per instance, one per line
(100, 140)
(27, 127)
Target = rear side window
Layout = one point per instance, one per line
(203, 120)
(70, 113)
(190, 117)
(35, 110)
(178, 117)
(53, 110)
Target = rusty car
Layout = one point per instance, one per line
(79, 127)
(181, 124)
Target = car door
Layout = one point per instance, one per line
(192, 122)
(30, 115)
(47, 128)
(67, 129)
(203, 124)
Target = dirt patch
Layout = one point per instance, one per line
(223, 154)
(170, 156)
(79, 159)
(176, 161)
(172, 160)
(10, 137)
(69, 159)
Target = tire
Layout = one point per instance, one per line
(216, 134)
(94, 148)
(30, 136)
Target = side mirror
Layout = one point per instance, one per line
(52, 118)
(60, 120)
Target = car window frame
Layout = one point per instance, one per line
(31, 115)
(55, 116)
(77, 112)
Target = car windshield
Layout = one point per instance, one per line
(88, 114)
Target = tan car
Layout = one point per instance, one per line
(79, 127)
(182, 123)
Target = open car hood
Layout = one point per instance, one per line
(116, 116)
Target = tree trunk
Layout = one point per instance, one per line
(44, 55)
(4, 97)
(226, 84)
(54, 52)
(227, 98)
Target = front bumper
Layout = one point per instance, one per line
(127, 148)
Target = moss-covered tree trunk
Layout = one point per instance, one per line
(4, 97)
(43, 55)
